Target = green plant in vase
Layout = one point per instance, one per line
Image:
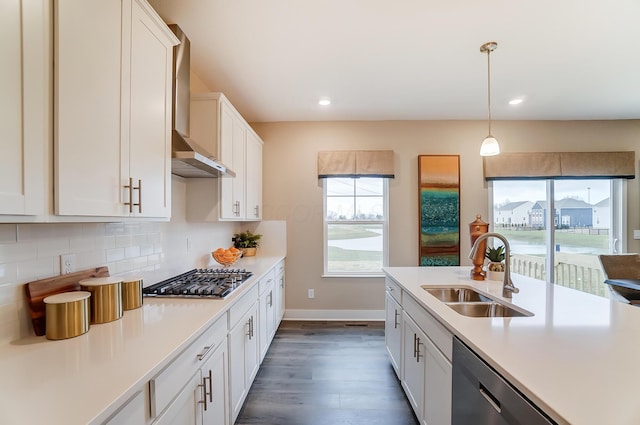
(247, 241)
(496, 262)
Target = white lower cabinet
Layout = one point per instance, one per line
(192, 388)
(215, 404)
(437, 389)
(280, 290)
(267, 327)
(243, 352)
(413, 364)
(422, 353)
(393, 331)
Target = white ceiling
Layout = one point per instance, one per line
(416, 59)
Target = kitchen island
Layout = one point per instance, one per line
(574, 358)
(87, 379)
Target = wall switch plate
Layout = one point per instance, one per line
(311, 294)
(636, 234)
(67, 263)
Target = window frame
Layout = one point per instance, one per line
(618, 216)
(385, 231)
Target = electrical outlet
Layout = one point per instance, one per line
(67, 263)
(311, 294)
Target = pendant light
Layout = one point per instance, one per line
(490, 145)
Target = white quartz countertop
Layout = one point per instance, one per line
(575, 358)
(83, 380)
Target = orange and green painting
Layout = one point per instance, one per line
(439, 182)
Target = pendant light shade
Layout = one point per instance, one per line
(490, 145)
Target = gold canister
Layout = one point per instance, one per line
(106, 298)
(67, 314)
(131, 293)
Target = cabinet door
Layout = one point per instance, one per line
(413, 364)
(214, 375)
(147, 137)
(280, 293)
(185, 408)
(230, 133)
(87, 104)
(437, 391)
(243, 359)
(393, 332)
(267, 323)
(253, 174)
(238, 182)
(24, 106)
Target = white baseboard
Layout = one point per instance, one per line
(361, 315)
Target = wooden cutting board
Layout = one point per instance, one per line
(38, 290)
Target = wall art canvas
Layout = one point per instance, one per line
(439, 200)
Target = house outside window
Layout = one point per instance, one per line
(588, 221)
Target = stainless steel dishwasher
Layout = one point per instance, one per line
(482, 396)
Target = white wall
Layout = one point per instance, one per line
(292, 191)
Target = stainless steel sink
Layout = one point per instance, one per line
(457, 294)
(469, 302)
(487, 309)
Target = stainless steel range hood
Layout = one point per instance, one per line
(188, 159)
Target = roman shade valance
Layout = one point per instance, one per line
(560, 165)
(355, 164)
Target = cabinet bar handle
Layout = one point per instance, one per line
(418, 350)
(210, 387)
(204, 392)
(130, 187)
(395, 319)
(415, 345)
(257, 208)
(139, 189)
(489, 397)
(205, 352)
(271, 299)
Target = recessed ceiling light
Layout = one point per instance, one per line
(324, 102)
(516, 101)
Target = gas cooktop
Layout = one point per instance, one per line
(199, 283)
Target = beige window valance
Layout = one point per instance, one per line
(560, 165)
(355, 164)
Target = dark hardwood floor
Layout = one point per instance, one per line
(327, 373)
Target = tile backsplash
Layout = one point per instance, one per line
(153, 250)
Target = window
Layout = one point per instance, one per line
(355, 226)
(557, 228)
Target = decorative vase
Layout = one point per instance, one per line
(248, 252)
(495, 271)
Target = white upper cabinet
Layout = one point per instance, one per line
(24, 107)
(218, 127)
(253, 174)
(113, 68)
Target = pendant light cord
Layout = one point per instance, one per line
(489, 87)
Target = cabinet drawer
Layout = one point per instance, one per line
(266, 281)
(441, 337)
(393, 289)
(167, 384)
(240, 308)
(132, 412)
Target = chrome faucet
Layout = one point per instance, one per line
(508, 288)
